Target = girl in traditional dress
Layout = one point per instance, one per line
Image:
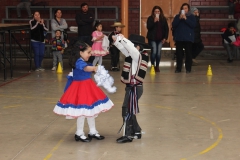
(97, 39)
(82, 98)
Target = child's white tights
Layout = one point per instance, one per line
(97, 59)
(91, 125)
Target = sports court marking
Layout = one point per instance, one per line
(220, 136)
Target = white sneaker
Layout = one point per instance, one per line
(37, 69)
(194, 60)
(229, 16)
(41, 69)
(53, 68)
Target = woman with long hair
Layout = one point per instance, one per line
(58, 23)
(157, 34)
(38, 30)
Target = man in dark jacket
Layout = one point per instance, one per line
(85, 21)
(197, 46)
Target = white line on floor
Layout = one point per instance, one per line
(224, 120)
(211, 133)
(104, 154)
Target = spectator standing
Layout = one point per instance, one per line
(24, 4)
(57, 49)
(157, 34)
(183, 28)
(38, 31)
(85, 21)
(114, 51)
(58, 23)
(197, 46)
(97, 49)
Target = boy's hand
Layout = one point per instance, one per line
(62, 51)
(114, 38)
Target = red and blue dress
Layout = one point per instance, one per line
(82, 97)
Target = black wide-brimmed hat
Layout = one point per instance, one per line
(137, 39)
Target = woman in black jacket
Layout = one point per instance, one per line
(157, 34)
(38, 31)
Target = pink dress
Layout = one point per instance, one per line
(97, 45)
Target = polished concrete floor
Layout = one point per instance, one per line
(183, 116)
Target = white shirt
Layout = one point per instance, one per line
(127, 48)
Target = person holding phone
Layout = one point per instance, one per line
(157, 34)
(183, 26)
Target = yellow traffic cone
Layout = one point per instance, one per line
(59, 68)
(152, 71)
(209, 71)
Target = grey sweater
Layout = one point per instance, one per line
(55, 26)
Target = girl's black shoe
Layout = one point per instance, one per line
(97, 136)
(78, 138)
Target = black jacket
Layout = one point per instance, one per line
(226, 35)
(85, 23)
(197, 31)
(37, 30)
(111, 41)
(152, 28)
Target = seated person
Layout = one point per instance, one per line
(24, 4)
(229, 37)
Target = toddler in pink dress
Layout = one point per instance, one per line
(97, 49)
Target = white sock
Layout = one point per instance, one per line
(100, 61)
(80, 125)
(91, 125)
(96, 59)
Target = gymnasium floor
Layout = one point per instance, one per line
(183, 116)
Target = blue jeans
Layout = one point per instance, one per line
(156, 52)
(38, 49)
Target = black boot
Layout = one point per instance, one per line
(124, 139)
